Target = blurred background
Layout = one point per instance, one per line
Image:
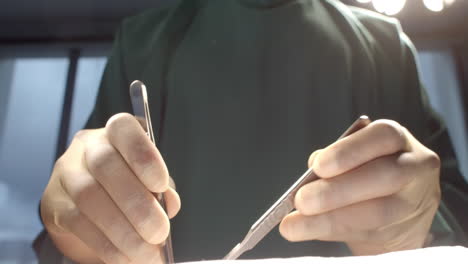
(52, 55)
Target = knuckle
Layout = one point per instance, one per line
(143, 216)
(72, 219)
(99, 157)
(85, 135)
(119, 120)
(60, 165)
(299, 200)
(132, 243)
(134, 203)
(153, 227)
(107, 248)
(392, 133)
(85, 195)
(150, 233)
(117, 227)
(393, 175)
(144, 222)
(433, 161)
(81, 134)
(140, 154)
(315, 198)
(151, 171)
(67, 180)
(323, 199)
(111, 254)
(143, 154)
(344, 158)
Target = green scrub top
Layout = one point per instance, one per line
(243, 91)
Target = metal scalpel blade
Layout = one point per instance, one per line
(283, 206)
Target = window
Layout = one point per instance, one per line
(31, 102)
(88, 77)
(439, 76)
(31, 111)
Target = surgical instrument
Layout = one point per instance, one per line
(282, 207)
(139, 99)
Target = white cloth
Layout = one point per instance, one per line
(445, 255)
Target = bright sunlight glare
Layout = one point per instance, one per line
(434, 5)
(389, 7)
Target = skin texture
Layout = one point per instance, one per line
(378, 191)
(99, 205)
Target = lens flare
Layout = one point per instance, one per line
(434, 5)
(449, 2)
(389, 7)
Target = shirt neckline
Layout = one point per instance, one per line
(265, 3)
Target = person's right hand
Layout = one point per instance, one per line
(99, 204)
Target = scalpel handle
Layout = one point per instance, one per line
(360, 123)
(285, 204)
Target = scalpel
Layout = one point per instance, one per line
(273, 216)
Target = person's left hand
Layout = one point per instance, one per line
(378, 191)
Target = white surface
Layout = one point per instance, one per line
(436, 255)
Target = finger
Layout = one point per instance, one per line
(312, 157)
(93, 201)
(380, 138)
(350, 223)
(136, 202)
(172, 202)
(80, 226)
(128, 137)
(380, 177)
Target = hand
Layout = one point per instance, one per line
(378, 191)
(99, 204)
